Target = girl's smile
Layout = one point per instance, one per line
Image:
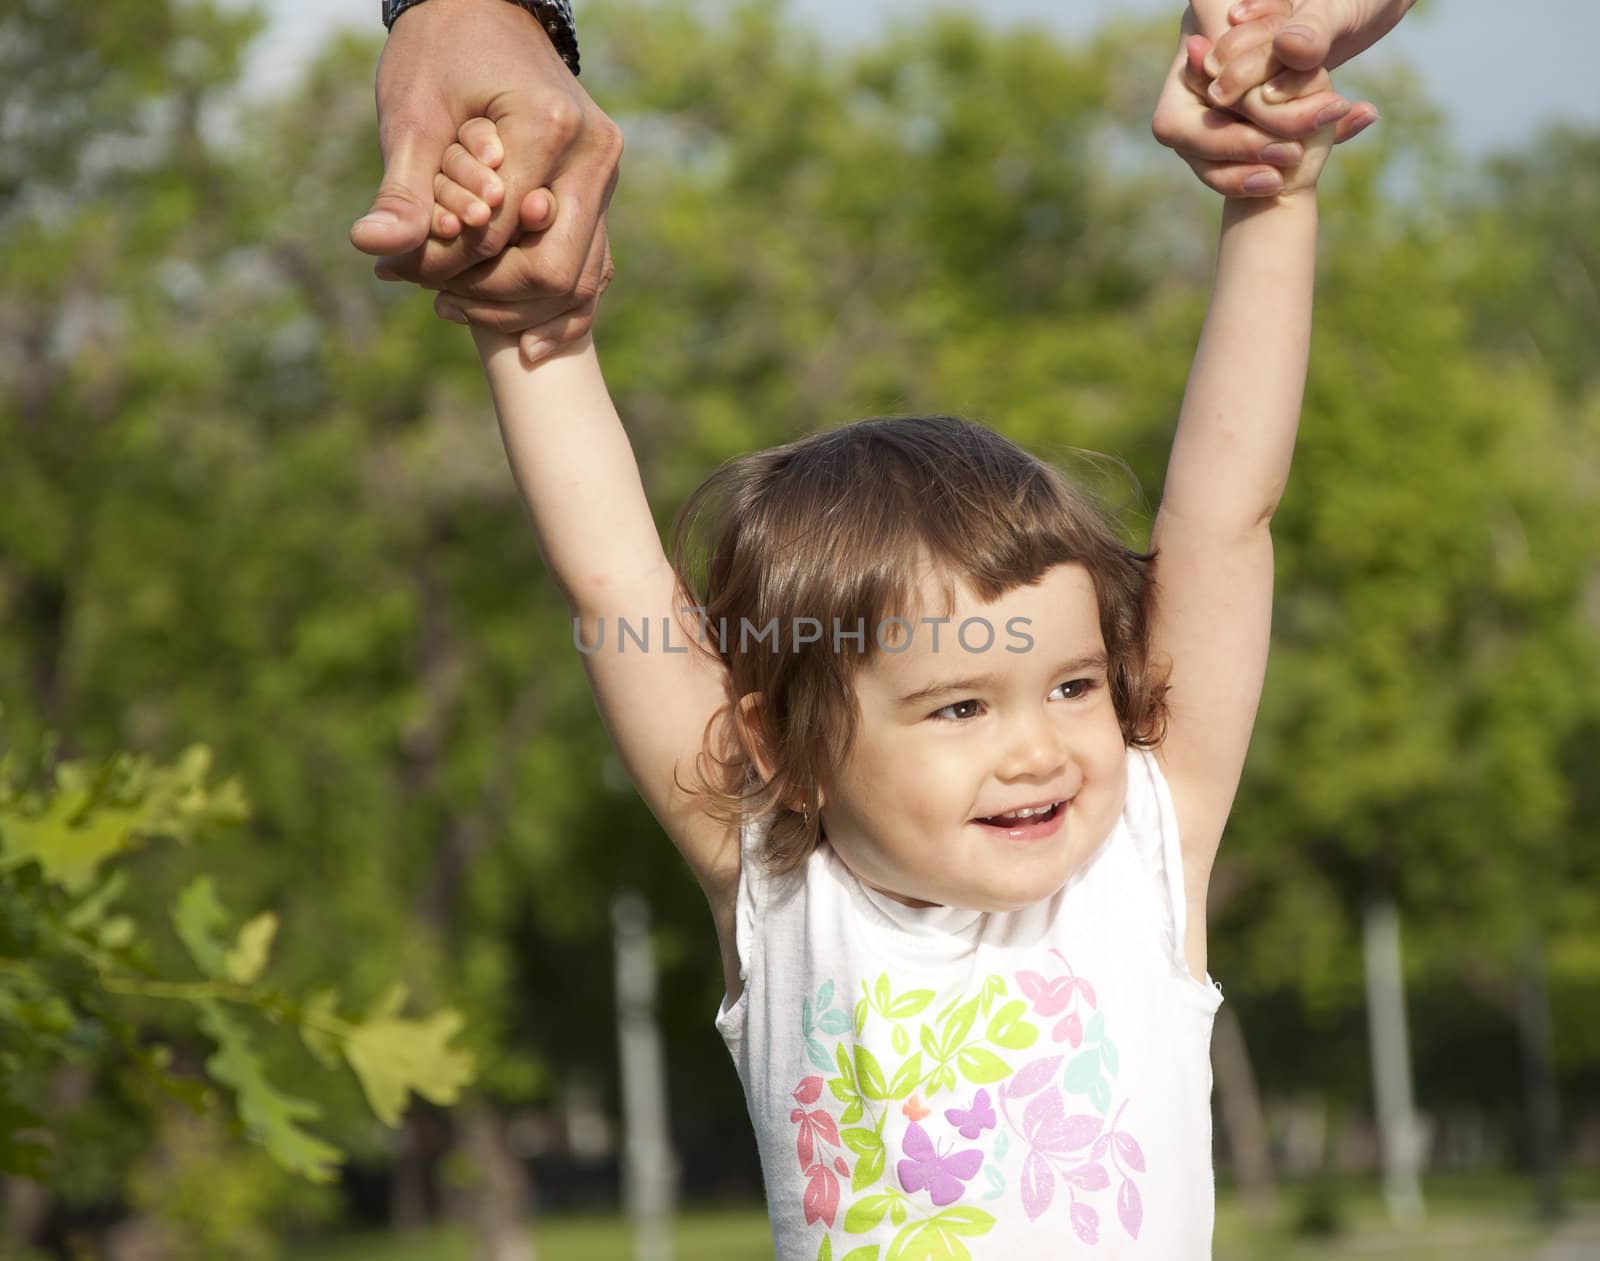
(983, 779)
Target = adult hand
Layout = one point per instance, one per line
(1305, 35)
(1242, 152)
(450, 60)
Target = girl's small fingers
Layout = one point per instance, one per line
(1251, 67)
(1238, 40)
(465, 204)
(1293, 120)
(538, 210)
(1238, 179)
(1249, 10)
(472, 174)
(1292, 84)
(446, 224)
(539, 343)
(481, 138)
(1355, 122)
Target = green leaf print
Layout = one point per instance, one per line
(861, 1016)
(993, 988)
(869, 1076)
(868, 1252)
(937, 1238)
(844, 1088)
(957, 1027)
(818, 1055)
(1108, 1053)
(866, 1213)
(901, 1040)
(1008, 1029)
(962, 1220)
(911, 1003)
(980, 1067)
(825, 1249)
(825, 996)
(868, 1145)
(1100, 1096)
(905, 1081)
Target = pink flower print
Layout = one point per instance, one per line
(821, 1202)
(1125, 1154)
(940, 1174)
(818, 1131)
(973, 1121)
(1052, 997)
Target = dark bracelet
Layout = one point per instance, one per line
(554, 15)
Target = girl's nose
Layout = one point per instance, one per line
(1035, 749)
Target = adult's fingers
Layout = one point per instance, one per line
(1305, 40)
(1237, 179)
(1291, 85)
(579, 167)
(1225, 153)
(529, 269)
(538, 342)
(401, 213)
(1240, 59)
(515, 315)
(1355, 122)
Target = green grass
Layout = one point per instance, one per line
(1486, 1219)
(736, 1235)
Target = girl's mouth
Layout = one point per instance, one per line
(1031, 827)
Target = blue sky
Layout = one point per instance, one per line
(1498, 76)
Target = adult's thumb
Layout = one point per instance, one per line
(402, 211)
(1303, 44)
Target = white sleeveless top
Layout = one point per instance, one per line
(941, 1083)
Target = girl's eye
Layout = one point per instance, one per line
(1077, 689)
(961, 711)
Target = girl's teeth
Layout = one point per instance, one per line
(1028, 813)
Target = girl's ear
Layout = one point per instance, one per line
(749, 719)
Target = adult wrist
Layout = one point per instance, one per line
(554, 16)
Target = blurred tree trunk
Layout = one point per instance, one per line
(1242, 1116)
(501, 1190)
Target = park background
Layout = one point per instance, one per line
(255, 500)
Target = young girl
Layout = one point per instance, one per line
(951, 765)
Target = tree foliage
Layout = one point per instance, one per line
(256, 500)
(72, 957)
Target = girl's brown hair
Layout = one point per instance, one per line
(833, 527)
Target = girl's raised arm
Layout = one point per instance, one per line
(1229, 464)
(578, 476)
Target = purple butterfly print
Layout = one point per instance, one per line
(975, 1120)
(941, 1175)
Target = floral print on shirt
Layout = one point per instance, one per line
(1008, 1097)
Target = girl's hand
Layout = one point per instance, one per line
(466, 190)
(465, 193)
(1245, 75)
(1310, 153)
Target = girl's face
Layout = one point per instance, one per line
(954, 734)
